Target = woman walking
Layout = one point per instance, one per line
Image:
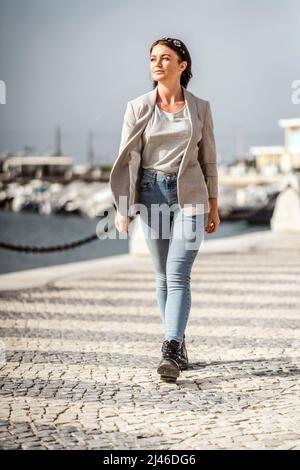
(166, 171)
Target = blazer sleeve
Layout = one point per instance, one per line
(207, 155)
(128, 124)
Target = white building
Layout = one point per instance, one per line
(286, 157)
(37, 166)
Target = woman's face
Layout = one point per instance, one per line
(164, 64)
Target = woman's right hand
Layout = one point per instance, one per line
(122, 223)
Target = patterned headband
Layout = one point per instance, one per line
(177, 44)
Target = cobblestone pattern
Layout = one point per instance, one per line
(79, 356)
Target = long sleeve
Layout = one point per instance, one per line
(128, 124)
(207, 155)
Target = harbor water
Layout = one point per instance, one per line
(33, 229)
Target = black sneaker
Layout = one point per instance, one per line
(183, 356)
(168, 367)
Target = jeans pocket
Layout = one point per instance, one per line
(147, 182)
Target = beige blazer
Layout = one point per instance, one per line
(197, 177)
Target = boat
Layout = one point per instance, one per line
(254, 214)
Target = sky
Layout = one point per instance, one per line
(76, 63)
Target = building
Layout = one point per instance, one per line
(287, 157)
(37, 166)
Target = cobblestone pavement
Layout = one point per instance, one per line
(79, 358)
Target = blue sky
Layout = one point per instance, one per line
(76, 63)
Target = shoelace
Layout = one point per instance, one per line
(171, 348)
(182, 352)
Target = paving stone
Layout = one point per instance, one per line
(80, 358)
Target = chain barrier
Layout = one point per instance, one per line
(69, 246)
(49, 249)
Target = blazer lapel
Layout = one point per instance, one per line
(146, 110)
(120, 170)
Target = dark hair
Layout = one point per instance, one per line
(182, 51)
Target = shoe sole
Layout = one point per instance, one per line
(168, 372)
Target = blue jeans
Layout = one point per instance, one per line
(173, 240)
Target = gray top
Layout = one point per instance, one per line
(165, 139)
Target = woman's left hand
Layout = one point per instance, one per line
(213, 221)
